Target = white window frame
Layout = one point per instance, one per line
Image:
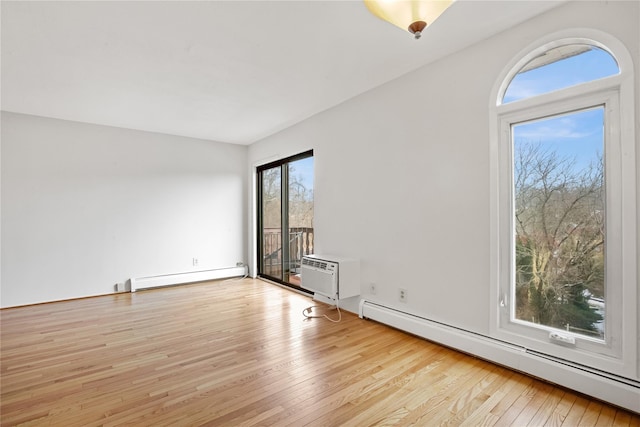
(618, 353)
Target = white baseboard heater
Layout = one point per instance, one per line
(620, 391)
(182, 278)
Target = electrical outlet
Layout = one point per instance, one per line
(402, 295)
(239, 264)
(195, 262)
(372, 288)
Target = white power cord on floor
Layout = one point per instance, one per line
(307, 313)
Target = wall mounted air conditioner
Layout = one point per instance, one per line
(331, 276)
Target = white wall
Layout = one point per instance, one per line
(87, 206)
(402, 172)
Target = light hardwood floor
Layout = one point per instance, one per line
(232, 353)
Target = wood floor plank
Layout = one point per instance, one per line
(547, 408)
(241, 353)
(591, 414)
(606, 417)
(482, 415)
(366, 384)
(561, 410)
(622, 419)
(540, 393)
(576, 412)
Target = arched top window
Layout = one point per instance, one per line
(563, 199)
(558, 68)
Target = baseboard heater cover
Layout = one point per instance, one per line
(182, 278)
(623, 392)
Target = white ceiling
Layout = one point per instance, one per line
(229, 71)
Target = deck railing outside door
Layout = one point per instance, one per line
(300, 244)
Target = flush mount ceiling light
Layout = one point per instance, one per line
(410, 15)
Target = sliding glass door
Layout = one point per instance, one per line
(285, 217)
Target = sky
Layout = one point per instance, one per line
(303, 169)
(578, 135)
(591, 65)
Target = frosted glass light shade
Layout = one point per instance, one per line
(410, 15)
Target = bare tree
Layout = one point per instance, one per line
(271, 198)
(559, 222)
(300, 201)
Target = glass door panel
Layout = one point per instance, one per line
(271, 262)
(300, 216)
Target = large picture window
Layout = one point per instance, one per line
(559, 217)
(562, 259)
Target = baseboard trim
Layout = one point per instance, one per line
(182, 278)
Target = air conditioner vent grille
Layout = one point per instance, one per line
(314, 263)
